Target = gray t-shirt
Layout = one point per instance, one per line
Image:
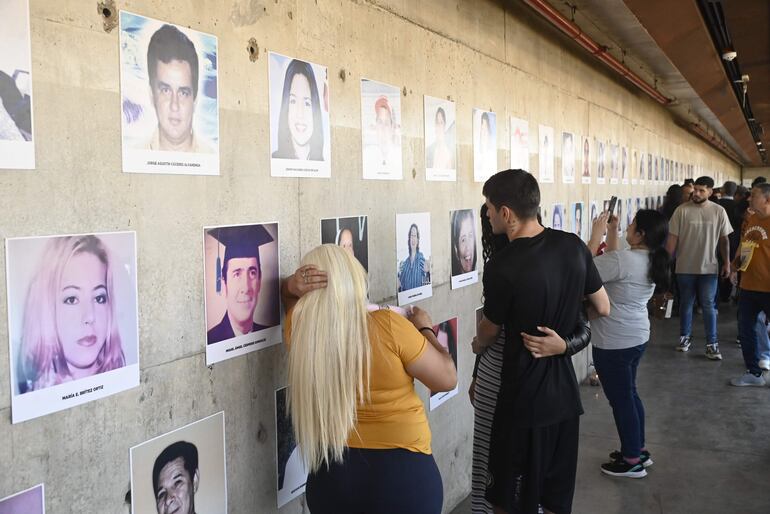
(625, 277)
(698, 228)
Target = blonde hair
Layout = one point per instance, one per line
(330, 357)
(42, 361)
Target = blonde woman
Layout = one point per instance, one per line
(69, 327)
(360, 425)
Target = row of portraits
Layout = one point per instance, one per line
(170, 116)
(184, 470)
(73, 302)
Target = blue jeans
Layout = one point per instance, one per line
(763, 339)
(750, 304)
(706, 287)
(617, 373)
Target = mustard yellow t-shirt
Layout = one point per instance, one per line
(754, 254)
(394, 416)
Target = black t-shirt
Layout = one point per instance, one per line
(538, 281)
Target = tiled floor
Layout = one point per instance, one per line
(710, 441)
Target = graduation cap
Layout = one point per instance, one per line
(240, 242)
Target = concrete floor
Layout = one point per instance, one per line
(710, 441)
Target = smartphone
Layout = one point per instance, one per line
(613, 202)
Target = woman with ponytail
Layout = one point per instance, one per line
(630, 276)
(359, 424)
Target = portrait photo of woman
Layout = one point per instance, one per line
(464, 252)
(413, 252)
(72, 313)
(557, 220)
(586, 178)
(440, 129)
(299, 118)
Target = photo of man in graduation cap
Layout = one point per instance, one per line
(238, 278)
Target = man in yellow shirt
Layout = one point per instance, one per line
(753, 261)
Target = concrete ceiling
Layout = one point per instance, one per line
(668, 43)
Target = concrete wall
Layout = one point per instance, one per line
(471, 51)
(750, 174)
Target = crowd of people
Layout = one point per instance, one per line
(361, 426)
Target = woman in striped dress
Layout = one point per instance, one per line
(486, 379)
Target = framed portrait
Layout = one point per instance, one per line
(29, 501)
(440, 139)
(413, 257)
(17, 147)
(585, 177)
(181, 471)
(519, 144)
(351, 233)
(484, 144)
(447, 336)
(300, 140)
(169, 98)
(242, 289)
(578, 224)
(546, 154)
(600, 161)
(558, 219)
(72, 318)
(463, 248)
(614, 149)
(381, 130)
(567, 158)
(291, 472)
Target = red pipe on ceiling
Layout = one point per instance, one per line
(574, 32)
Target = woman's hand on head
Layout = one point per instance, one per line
(307, 278)
(420, 318)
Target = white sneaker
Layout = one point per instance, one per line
(747, 379)
(764, 364)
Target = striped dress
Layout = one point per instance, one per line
(485, 399)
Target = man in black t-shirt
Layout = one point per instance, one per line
(535, 284)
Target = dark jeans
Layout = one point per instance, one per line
(617, 373)
(377, 482)
(750, 304)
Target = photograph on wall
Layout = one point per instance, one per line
(440, 139)
(658, 202)
(577, 219)
(586, 161)
(629, 213)
(558, 221)
(17, 149)
(567, 158)
(72, 320)
(624, 165)
(351, 233)
(446, 333)
(546, 154)
(484, 145)
(464, 249)
(381, 131)
(519, 144)
(300, 142)
(619, 214)
(242, 289)
(613, 164)
(290, 467)
(656, 177)
(29, 501)
(594, 214)
(169, 98)
(545, 219)
(600, 162)
(641, 174)
(638, 205)
(413, 257)
(182, 471)
(650, 158)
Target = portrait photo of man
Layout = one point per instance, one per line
(381, 131)
(169, 97)
(182, 471)
(241, 265)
